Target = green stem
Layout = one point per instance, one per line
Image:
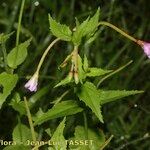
(18, 29)
(61, 97)
(106, 142)
(45, 53)
(114, 72)
(86, 127)
(30, 120)
(19, 122)
(118, 30)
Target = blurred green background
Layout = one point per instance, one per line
(129, 119)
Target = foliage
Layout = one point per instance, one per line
(69, 104)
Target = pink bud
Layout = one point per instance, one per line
(146, 48)
(32, 83)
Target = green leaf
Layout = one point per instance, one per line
(87, 27)
(113, 95)
(59, 138)
(92, 72)
(18, 106)
(90, 96)
(18, 54)
(80, 32)
(8, 82)
(64, 81)
(39, 95)
(92, 23)
(95, 139)
(21, 134)
(1, 37)
(5, 37)
(59, 30)
(63, 108)
(85, 64)
(80, 69)
(91, 37)
(17, 147)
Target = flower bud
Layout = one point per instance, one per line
(146, 48)
(32, 83)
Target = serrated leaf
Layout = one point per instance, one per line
(86, 28)
(92, 72)
(21, 134)
(85, 64)
(80, 70)
(93, 23)
(90, 96)
(1, 37)
(113, 95)
(59, 30)
(63, 82)
(17, 147)
(18, 54)
(59, 138)
(8, 82)
(95, 139)
(80, 32)
(63, 108)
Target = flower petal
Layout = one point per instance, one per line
(146, 47)
(32, 83)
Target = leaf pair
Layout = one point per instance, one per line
(95, 98)
(86, 28)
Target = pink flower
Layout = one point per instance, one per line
(32, 83)
(146, 48)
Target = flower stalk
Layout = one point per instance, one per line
(145, 45)
(33, 82)
(118, 30)
(45, 53)
(30, 121)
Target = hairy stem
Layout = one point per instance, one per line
(18, 29)
(30, 120)
(118, 30)
(45, 53)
